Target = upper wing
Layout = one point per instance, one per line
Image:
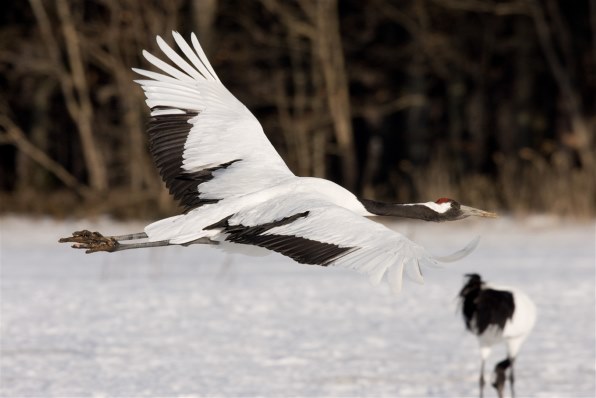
(206, 144)
(313, 231)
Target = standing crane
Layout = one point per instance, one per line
(497, 315)
(215, 159)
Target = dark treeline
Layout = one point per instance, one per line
(489, 102)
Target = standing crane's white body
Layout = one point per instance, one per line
(516, 329)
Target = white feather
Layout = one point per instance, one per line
(202, 56)
(170, 70)
(177, 59)
(192, 57)
(156, 76)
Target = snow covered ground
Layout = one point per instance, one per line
(198, 322)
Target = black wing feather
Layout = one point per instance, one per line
(301, 250)
(167, 137)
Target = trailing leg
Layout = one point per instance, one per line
(138, 235)
(95, 242)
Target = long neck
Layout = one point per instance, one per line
(468, 296)
(417, 211)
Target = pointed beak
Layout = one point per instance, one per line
(470, 211)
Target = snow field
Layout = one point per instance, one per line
(199, 322)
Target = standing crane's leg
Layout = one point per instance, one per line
(482, 378)
(484, 353)
(500, 376)
(511, 378)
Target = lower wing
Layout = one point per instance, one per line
(320, 233)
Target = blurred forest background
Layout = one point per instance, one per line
(489, 102)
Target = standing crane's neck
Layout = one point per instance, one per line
(468, 295)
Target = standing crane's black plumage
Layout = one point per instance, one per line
(497, 315)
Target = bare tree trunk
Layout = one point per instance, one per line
(593, 27)
(79, 104)
(14, 135)
(571, 99)
(29, 175)
(329, 49)
(204, 13)
(300, 105)
(293, 129)
(116, 60)
(84, 113)
(417, 117)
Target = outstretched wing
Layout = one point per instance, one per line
(313, 231)
(206, 144)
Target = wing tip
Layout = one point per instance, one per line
(458, 255)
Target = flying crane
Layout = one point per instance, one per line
(236, 189)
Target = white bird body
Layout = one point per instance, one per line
(516, 329)
(215, 159)
(263, 206)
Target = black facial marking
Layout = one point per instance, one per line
(301, 250)
(167, 136)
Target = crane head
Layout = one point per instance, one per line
(473, 282)
(452, 210)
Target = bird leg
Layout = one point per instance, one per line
(95, 242)
(500, 376)
(511, 379)
(138, 235)
(482, 378)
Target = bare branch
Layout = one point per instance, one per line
(289, 17)
(80, 109)
(330, 53)
(482, 6)
(84, 116)
(571, 99)
(14, 135)
(593, 28)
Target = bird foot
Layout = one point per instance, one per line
(92, 241)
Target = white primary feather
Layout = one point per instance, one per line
(224, 129)
(177, 59)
